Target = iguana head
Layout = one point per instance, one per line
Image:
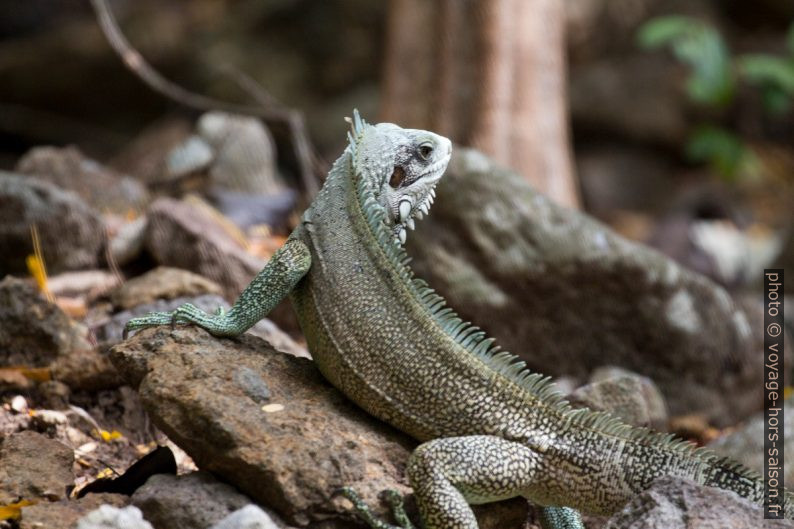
(402, 168)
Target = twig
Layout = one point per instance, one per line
(268, 110)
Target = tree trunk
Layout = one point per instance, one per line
(486, 73)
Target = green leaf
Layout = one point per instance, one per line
(663, 30)
(768, 70)
(699, 46)
(725, 153)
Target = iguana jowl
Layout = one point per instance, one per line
(490, 428)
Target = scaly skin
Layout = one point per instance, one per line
(490, 429)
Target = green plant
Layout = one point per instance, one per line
(713, 80)
(701, 47)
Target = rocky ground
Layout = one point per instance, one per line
(174, 428)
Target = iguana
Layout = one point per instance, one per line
(490, 429)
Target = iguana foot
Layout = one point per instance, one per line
(394, 499)
(217, 324)
(560, 518)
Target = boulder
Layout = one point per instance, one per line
(99, 186)
(675, 503)
(35, 468)
(191, 500)
(71, 233)
(182, 235)
(566, 293)
(269, 424)
(33, 331)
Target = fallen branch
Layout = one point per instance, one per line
(269, 110)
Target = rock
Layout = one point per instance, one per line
(99, 186)
(88, 370)
(746, 444)
(34, 468)
(676, 503)
(566, 293)
(33, 331)
(109, 517)
(247, 210)
(238, 152)
(293, 452)
(54, 395)
(88, 284)
(128, 241)
(191, 500)
(632, 397)
(249, 517)
(183, 235)
(161, 283)
(64, 514)
(145, 155)
(71, 233)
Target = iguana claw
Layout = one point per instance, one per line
(395, 500)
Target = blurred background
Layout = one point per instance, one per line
(157, 152)
(670, 120)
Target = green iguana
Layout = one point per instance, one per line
(490, 428)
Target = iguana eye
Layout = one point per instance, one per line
(425, 150)
(397, 177)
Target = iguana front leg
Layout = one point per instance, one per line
(448, 474)
(287, 266)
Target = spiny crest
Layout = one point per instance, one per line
(476, 342)
(357, 127)
(607, 424)
(472, 338)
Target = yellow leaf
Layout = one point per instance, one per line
(109, 436)
(105, 473)
(13, 511)
(36, 265)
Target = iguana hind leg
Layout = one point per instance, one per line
(560, 518)
(448, 474)
(287, 266)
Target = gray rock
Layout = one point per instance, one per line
(675, 503)
(71, 233)
(109, 517)
(633, 398)
(195, 500)
(182, 235)
(291, 452)
(64, 514)
(161, 283)
(566, 293)
(34, 467)
(745, 444)
(128, 241)
(99, 186)
(33, 331)
(244, 153)
(249, 517)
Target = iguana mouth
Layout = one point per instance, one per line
(410, 207)
(407, 211)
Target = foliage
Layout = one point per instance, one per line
(700, 46)
(724, 151)
(714, 78)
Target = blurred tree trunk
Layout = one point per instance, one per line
(489, 74)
